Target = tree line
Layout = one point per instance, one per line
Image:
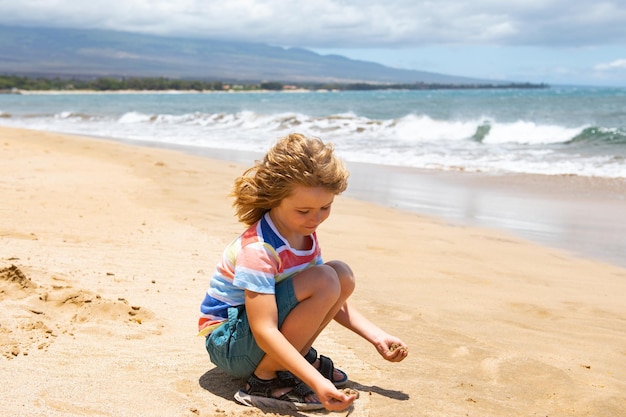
(10, 83)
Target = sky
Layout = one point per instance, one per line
(558, 42)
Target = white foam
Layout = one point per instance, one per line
(413, 140)
(525, 132)
(135, 117)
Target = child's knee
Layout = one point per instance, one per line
(344, 274)
(329, 277)
(321, 280)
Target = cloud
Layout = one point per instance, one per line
(342, 23)
(618, 64)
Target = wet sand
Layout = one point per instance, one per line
(585, 216)
(581, 215)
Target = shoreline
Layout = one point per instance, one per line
(580, 215)
(115, 244)
(577, 214)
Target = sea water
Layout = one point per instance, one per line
(553, 131)
(556, 132)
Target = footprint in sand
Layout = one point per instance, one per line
(33, 316)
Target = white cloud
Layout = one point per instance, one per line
(556, 41)
(342, 23)
(618, 64)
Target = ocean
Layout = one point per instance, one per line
(556, 132)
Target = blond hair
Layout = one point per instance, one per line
(295, 160)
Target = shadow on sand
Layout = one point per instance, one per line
(219, 383)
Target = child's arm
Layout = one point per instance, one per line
(263, 318)
(390, 347)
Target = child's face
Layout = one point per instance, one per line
(303, 211)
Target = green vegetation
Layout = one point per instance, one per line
(273, 85)
(423, 86)
(106, 84)
(9, 83)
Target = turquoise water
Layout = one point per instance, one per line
(555, 131)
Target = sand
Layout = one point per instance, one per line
(106, 250)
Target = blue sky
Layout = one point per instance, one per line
(581, 42)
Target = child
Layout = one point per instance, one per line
(272, 295)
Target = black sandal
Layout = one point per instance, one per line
(259, 393)
(327, 368)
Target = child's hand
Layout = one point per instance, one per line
(334, 399)
(392, 349)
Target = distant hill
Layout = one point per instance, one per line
(52, 52)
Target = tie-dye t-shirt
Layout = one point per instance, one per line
(256, 261)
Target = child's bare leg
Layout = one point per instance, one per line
(318, 290)
(347, 283)
(322, 291)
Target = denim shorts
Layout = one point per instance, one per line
(232, 347)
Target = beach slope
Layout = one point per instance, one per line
(106, 250)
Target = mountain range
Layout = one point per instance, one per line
(86, 53)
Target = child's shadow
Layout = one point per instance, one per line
(389, 393)
(219, 383)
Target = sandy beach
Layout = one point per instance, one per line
(106, 250)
